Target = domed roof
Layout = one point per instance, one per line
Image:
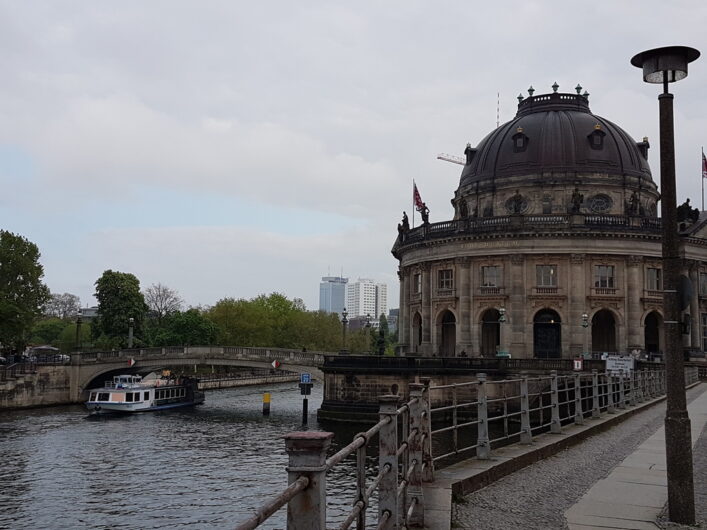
(556, 133)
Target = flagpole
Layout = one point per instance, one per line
(413, 203)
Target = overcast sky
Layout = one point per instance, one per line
(229, 148)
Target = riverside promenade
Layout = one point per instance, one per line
(613, 479)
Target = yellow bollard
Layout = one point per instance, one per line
(266, 404)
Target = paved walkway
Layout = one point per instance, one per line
(578, 479)
(634, 493)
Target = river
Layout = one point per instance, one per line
(206, 467)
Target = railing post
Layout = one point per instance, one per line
(622, 395)
(578, 412)
(414, 489)
(427, 462)
(555, 425)
(307, 456)
(649, 384)
(526, 436)
(639, 386)
(483, 447)
(595, 394)
(632, 383)
(388, 457)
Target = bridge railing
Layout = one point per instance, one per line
(398, 483)
(11, 371)
(213, 352)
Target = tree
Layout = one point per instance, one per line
(64, 306)
(47, 331)
(161, 301)
(22, 292)
(119, 300)
(188, 328)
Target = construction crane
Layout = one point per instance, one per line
(452, 158)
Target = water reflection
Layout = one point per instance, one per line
(207, 467)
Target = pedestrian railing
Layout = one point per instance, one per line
(402, 434)
(471, 418)
(17, 369)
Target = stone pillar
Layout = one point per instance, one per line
(404, 315)
(388, 456)
(695, 331)
(634, 291)
(307, 456)
(426, 346)
(514, 340)
(464, 306)
(577, 286)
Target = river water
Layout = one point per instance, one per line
(204, 467)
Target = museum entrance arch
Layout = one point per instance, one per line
(604, 332)
(416, 331)
(490, 333)
(547, 335)
(448, 334)
(653, 327)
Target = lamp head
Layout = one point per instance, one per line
(668, 64)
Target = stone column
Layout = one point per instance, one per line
(464, 306)
(578, 287)
(695, 331)
(426, 346)
(404, 315)
(634, 291)
(513, 340)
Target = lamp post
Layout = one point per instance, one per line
(131, 323)
(667, 65)
(344, 321)
(78, 330)
(585, 325)
(368, 331)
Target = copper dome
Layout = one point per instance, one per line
(556, 133)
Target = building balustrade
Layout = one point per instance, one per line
(445, 293)
(605, 291)
(653, 293)
(490, 289)
(546, 290)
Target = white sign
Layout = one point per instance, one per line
(616, 364)
(578, 364)
(305, 378)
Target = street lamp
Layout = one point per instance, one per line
(78, 330)
(585, 325)
(667, 65)
(131, 323)
(344, 321)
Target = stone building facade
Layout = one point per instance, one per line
(554, 248)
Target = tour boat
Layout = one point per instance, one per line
(133, 393)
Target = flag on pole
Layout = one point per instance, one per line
(704, 166)
(416, 199)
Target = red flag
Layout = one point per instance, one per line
(416, 199)
(704, 166)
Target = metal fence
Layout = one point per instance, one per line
(16, 369)
(402, 433)
(496, 412)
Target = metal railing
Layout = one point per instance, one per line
(473, 416)
(402, 433)
(11, 371)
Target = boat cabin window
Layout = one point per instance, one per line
(128, 396)
(147, 396)
(103, 396)
(93, 396)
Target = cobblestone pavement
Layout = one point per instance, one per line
(536, 498)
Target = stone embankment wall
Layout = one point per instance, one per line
(49, 385)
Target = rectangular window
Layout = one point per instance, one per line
(704, 331)
(147, 396)
(604, 276)
(417, 283)
(490, 276)
(654, 281)
(93, 397)
(445, 279)
(129, 397)
(103, 396)
(703, 284)
(546, 275)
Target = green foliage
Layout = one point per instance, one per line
(275, 321)
(47, 331)
(182, 328)
(66, 341)
(119, 299)
(22, 293)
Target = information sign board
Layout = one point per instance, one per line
(305, 378)
(578, 365)
(616, 364)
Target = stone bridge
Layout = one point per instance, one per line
(88, 370)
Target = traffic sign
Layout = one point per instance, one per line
(276, 364)
(578, 365)
(305, 378)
